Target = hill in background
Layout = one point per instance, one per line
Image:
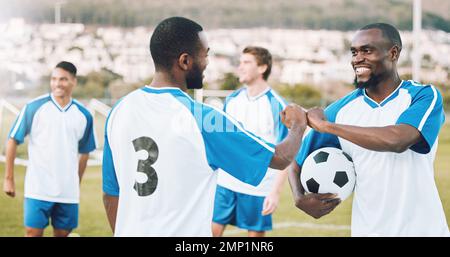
(325, 14)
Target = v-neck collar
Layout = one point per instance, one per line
(374, 104)
(61, 109)
(253, 98)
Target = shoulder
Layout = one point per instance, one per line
(39, 101)
(234, 95)
(332, 110)
(127, 100)
(35, 104)
(416, 89)
(237, 92)
(82, 109)
(345, 100)
(272, 94)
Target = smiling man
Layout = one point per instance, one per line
(61, 137)
(389, 127)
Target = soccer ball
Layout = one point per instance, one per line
(329, 170)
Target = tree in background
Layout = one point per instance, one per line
(302, 94)
(95, 84)
(230, 82)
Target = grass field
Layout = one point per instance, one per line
(288, 221)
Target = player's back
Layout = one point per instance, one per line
(150, 132)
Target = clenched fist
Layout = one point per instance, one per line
(293, 116)
(9, 187)
(316, 119)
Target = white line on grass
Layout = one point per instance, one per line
(282, 225)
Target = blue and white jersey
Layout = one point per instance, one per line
(161, 151)
(57, 136)
(261, 116)
(395, 193)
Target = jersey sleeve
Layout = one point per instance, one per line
(425, 113)
(234, 94)
(315, 140)
(277, 105)
(230, 147)
(87, 143)
(282, 130)
(110, 184)
(22, 125)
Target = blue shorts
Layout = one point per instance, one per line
(241, 210)
(37, 213)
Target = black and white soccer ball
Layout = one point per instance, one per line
(329, 170)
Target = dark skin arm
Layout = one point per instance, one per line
(315, 205)
(111, 203)
(394, 138)
(294, 118)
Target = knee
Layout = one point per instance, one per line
(34, 232)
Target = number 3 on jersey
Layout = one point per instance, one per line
(145, 166)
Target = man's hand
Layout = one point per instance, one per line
(317, 119)
(9, 187)
(293, 116)
(317, 205)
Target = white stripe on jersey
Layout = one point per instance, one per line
(433, 103)
(19, 121)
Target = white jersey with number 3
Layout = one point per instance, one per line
(161, 151)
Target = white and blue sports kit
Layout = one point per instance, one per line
(161, 152)
(395, 193)
(236, 202)
(57, 136)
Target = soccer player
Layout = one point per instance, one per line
(258, 108)
(61, 137)
(162, 148)
(389, 127)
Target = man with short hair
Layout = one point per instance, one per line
(162, 148)
(257, 106)
(61, 137)
(389, 127)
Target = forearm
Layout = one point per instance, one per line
(286, 151)
(11, 150)
(111, 203)
(395, 138)
(294, 181)
(82, 164)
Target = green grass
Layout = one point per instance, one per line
(93, 222)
